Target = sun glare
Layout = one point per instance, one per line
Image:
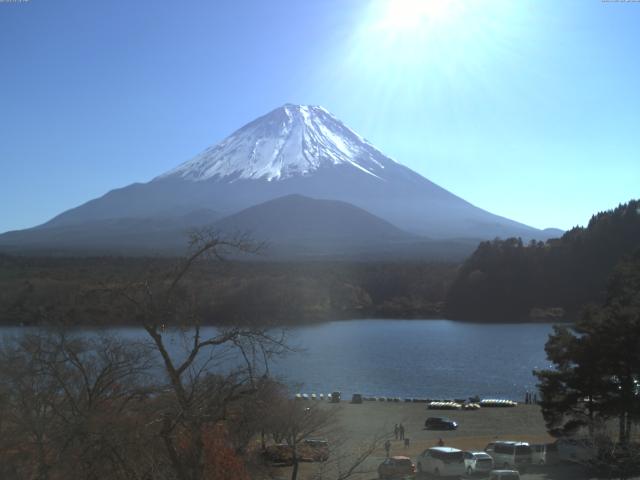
(411, 46)
(407, 15)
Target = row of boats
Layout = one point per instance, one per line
(431, 404)
(484, 403)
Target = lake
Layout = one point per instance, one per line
(418, 358)
(407, 358)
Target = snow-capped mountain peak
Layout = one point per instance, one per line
(293, 140)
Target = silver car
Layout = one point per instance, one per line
(477, 462)
(504, 475)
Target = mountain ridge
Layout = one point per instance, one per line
(293, 149)
(297, 217)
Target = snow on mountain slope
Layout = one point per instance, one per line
(293, 149)
(293, 140)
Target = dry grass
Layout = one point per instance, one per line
(361, 423)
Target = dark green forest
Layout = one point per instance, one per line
(507, 280)
(75, 291)
(503, 280)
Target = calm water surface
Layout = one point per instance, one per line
(426, 358)
(407, 358)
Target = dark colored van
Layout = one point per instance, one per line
(439, 423)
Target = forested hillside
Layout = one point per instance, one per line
(504, 280)
(507, 280)
(75, 291)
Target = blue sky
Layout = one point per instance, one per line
(530, 110)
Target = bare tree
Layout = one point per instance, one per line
(96, 407)
(294, 422)
(165, 307)
(65, 401)
(28, 418)
(614, 460)
(350, 461)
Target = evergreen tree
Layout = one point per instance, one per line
(597, 362)
(505, 280)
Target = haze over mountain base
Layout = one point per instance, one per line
(288, 154)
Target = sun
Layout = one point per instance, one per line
(397, 36)
(407, 15)
(405, 40)
(422, 53)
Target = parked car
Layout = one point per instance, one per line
(314, 450)
(334, 397)
(510, 454)
(311, 450)
(356, 398)
(477, 462)
(439, 423)
(396, 467)
(280, 453)
(442, 461)
(504, 475)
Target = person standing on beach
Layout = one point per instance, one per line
(440, 442)
(401, 428)
(387, 447)
(396, 430)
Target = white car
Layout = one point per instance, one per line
(477, 462)
(509, 455)
(504, 475)
(441, 462)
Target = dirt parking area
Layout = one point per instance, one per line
(357, 426)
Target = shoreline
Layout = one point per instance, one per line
(288, 325)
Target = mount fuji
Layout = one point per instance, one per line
(294, 150)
